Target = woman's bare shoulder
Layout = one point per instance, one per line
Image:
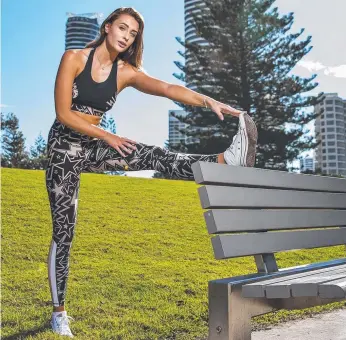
(82, 53)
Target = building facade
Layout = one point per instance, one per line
(190, 6)
(174, 126)
(330, 129)
(307, 163)
(81, 29)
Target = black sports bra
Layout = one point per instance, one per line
(91, 97)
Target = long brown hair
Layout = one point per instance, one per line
(134, 54)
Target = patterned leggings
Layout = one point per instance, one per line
(69, 154)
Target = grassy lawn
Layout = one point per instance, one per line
(140, 261)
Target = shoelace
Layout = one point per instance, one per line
(231, 146)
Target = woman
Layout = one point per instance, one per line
(87, 84)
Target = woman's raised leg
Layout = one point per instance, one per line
(100, 157)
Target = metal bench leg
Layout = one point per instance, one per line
(230, 314)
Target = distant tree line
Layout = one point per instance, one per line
(13, 151)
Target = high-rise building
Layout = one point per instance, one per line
(191, 35)
(174, 127)
(330, 129)
(81, 29)
(307, 163)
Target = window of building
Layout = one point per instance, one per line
(329, 108)
(330, 122)
(340, 130)
(322, 123)
(324, 158)
(330, 115)
(329, 101)
(339, 123)
(332, 157)
(330, 136)
(341, 165)
(331, 150)
(322, 130)
(340, 144)
(332, 165)
(330, 129)
(339, 116)
(331, 143)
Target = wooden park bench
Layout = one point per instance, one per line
(254, 212)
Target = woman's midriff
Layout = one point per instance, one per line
(91, 119)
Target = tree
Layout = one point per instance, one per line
(109, 125)
(38, 153)
(13, 153)
(245, 63)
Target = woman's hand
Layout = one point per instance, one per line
(119, 143)
(220, 108)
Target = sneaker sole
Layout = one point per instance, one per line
(250, 135)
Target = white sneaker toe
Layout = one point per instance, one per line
(60, 324)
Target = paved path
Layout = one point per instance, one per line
(325, 326)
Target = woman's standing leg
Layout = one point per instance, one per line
(65, 164)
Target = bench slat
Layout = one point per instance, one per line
(333, 289)
(226, 246)
(258, 289)
(242, 220)
(215, 173)
(212, 196)
(309, 288)
(303, 286)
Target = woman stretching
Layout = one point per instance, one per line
(87, 84)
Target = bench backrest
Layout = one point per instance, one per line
(267, 211)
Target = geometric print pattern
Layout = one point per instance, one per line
(69, 154)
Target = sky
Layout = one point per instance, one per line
(33, 41)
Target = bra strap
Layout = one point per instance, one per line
(90, 59)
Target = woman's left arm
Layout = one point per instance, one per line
(147, 84)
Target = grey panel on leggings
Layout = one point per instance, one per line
(226, 246)
(208, 173)
(241, 220)
(212, 196)
(333, 289)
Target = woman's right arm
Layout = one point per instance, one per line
(63, 98)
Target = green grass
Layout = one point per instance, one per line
(140, 261)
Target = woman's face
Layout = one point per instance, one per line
(122, 32)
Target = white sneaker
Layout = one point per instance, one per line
(60, 323)
(242, 151)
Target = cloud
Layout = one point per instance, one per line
(337, 71)
(311, 65)
(5, 105)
